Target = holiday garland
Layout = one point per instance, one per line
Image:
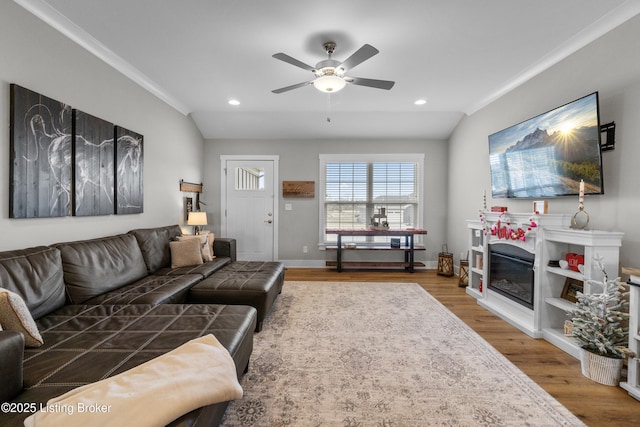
(502, 229)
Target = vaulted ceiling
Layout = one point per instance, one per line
(458, 55)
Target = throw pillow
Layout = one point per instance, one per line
(212, 238)
(15, 316)
(185, 253)
(203, 239)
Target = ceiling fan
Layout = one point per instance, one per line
(330, 74)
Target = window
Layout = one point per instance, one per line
(355, 188)
(249, 178)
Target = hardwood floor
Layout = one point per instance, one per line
(553, 369)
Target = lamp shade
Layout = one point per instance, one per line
(197, 218)
(329, 84)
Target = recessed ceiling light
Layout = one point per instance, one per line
(420, 102)
(234, 102)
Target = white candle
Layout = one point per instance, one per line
(581, 197)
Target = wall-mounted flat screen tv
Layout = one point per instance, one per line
(548, 155)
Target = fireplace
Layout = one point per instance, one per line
(511, 273)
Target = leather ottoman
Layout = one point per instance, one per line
(254, 283)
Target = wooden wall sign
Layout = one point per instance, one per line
(190, 187)
(298, 188)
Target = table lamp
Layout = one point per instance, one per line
(197, 219)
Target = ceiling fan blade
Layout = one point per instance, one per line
(379, 84)
(288, 88)
(286, 58)
(358, 57)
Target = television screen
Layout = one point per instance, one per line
(548, 155)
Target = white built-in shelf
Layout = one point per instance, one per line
(550, 241)
(632, 385)
(566, 272)
(562, 341)
(474, 292)
(560, 303)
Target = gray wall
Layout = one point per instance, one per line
(610, 65)
(39, 58)
(299, 161)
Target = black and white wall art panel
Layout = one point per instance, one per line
(40, 154)
(129, 171)
(93, 172)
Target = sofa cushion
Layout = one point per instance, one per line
(204, 270)
(15, 316)
(12, 351)
(86, 343)
(154, 245)
(114, 262)
(36, 275)
(152, 289)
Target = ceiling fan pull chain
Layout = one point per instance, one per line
(328, 108)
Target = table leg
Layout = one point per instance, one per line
(411, 253)
(339, 253)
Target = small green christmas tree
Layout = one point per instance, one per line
(599, 319)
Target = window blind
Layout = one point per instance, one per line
(354, 191)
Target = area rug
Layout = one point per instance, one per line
(381, 354)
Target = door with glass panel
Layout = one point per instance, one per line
(249, 213)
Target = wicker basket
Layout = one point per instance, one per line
(445, 262)
(463, 279)
(601, 369)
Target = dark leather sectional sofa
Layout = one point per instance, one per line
(106, 305)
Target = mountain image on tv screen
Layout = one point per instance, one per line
(548, 155)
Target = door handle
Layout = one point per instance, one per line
(268, 221)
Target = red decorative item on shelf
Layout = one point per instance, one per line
(574, 260)
(498, 209)
(480, 287)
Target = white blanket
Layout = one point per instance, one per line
(198, 373)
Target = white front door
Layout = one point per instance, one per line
(249, 206)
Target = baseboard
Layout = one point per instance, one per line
(320, 263)
(304, 263)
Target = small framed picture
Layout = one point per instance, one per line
(571, 289)
(188, 207)
(540, 207)
(568, 327)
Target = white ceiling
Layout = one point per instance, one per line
(459, 55)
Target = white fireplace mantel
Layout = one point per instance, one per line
(550, 239)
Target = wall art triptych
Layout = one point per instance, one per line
(67, 162)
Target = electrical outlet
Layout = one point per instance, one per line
(288, 207)
(305, 249)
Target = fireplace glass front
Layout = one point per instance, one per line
(511, 273)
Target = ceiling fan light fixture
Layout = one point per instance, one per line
(329, 84)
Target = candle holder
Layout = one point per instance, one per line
(580, 219)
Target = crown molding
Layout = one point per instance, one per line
(606, 23)
(62, 24)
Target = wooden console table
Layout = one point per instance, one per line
(408, 248)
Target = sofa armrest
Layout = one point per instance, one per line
(12, 351)
(225, 247)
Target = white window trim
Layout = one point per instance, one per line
(405, 157)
